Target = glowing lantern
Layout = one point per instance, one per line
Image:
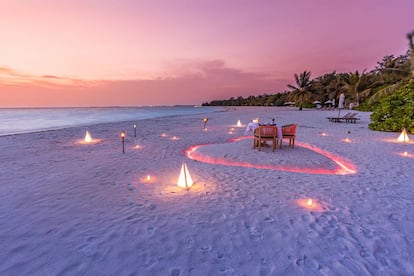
(148, 178)
(405, 153)
(184, 180)
(403, 136)
(205, 120)
(88, 137)
(123, 141)
(323, 134)
(164, 135)
(309, 202)
(138, 146)
(174, 138)
(239, 123)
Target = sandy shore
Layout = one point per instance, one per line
(68, 208)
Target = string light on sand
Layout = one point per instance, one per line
(310, 204)
(164, 135)
(175, 138)
(406, 154)
(324, 134)
(403, 136)
(347, 140)
(138, 147)
(342, 165)
(148, 179)
(184, 180)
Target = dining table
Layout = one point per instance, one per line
(253, 125)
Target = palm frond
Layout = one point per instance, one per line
(384, 93)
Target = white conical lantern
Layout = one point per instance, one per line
(184, 180)
(403, 136)
(88, 137)
(239, 123)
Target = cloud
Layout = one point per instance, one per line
(187, 83)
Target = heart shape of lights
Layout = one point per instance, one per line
(340, 166)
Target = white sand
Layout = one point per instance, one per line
(73, 209)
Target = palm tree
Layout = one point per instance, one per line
(303, 87)
(411, 44)
(353, 82)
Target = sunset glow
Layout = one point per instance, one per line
(128, 53)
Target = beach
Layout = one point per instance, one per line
(73, 208)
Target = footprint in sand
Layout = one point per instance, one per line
(254, 233)
(381, 254)
(226, 269)
(266, 267)
(352, 267)
(175, 272)
(219, 255)
(130, 187)
(205, 248)
(151, 231)
(189, 242)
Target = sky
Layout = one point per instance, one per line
(169, 52)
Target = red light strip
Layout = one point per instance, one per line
(344, 167)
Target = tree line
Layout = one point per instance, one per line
(386, 88)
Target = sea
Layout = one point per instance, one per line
(26, 120)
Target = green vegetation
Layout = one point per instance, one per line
(395, 112)
(387, 91)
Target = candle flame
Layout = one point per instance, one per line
(88, 137)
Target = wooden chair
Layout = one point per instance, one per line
(263, 134)
(289, 132)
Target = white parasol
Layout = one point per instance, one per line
(341, 103)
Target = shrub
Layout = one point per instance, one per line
(395, 112)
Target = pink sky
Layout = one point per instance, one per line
(119, 52)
